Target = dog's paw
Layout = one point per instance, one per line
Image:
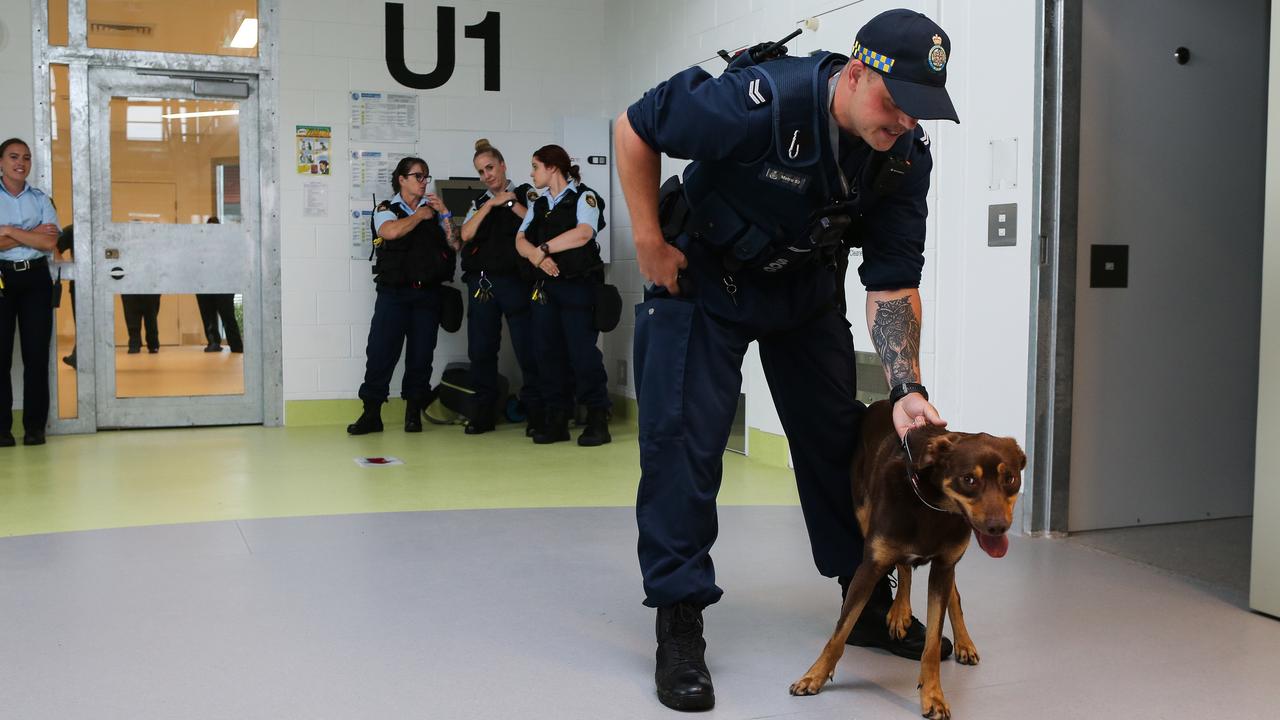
(899, 620)
(809, 684)
(933, 705)
(966, 653)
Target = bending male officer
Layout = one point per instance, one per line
(795, 160)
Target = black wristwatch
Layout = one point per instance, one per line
(545, 249)
(902, 390)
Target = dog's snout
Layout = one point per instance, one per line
(996, 527)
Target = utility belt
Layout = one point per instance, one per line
(744, 247)
(23, 265)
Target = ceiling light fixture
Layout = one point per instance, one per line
(202, 113)
(247, 35)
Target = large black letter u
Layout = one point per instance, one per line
(445, 56)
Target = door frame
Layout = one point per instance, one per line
(78, 56)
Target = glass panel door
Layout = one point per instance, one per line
(176, 284)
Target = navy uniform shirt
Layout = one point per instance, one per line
(588, 212)
(30, 209)
(729, 119)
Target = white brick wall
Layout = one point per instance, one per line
(551, 65)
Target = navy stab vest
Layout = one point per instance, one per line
(422, 257)
(493, 248)
(749, 212)
(546, 225)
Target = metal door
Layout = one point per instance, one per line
(167, 156)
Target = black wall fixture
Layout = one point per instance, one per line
(1181, 56)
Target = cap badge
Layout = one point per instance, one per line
(937, 55)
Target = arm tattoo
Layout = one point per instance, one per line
(896, 335)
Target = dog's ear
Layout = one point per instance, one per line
(928, 445)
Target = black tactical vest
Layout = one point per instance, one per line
(422, 257)
(493, 249)
(547, 224)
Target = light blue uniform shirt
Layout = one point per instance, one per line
(383, 216)
(587, 214)
(30, 209)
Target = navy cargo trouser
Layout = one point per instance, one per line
(688, 365)
(510, 299)
(402, 317)
(565, 335)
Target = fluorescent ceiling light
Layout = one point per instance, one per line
(202, 113)
(247, 35)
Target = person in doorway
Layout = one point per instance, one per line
(795, 160)
(219, 305)
(557, 238)
(28, 236)
(139, 310)
(66, 248)
(497, 289)
(416, 253)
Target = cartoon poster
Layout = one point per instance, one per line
(313, 143)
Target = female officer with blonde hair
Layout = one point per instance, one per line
(491, 268)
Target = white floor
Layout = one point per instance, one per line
(536, 614)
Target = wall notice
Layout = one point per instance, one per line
(384, 117)
(313, 144)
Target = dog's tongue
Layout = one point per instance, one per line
(994, 545)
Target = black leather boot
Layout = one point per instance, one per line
(597, 432)
(555, 427)
(413, 415)
(370, 421)
(482, 423)
(535, 415)
(872, 630)
(682, 678)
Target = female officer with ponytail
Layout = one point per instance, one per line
(415, 249)
(558, 240)
(492, 268)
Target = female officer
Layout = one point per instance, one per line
(558, 239)
(491, 267)
(28, 234)
(415, 249)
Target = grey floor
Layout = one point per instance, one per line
(536, 614)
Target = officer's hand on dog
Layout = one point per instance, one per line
(913, 411)
(661, 263)
(425, 212)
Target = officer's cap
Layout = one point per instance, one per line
(911, 53)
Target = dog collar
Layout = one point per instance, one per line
(913, 478)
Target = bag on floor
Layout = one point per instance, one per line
(457, 393)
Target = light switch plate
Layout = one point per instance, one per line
(1002, 217)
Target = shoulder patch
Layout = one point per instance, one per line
(924, 137)
(758, 92)
(531, 195)
(382, 206)
(590, 199)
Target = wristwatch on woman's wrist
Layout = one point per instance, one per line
(546, 249)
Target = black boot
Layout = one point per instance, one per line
(872, 630)
(370, 421)
(413, 415)
(597, 432)
(535, 415)
(555, 427)
(682, 678)
(481, 423)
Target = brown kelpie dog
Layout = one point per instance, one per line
(918, 503)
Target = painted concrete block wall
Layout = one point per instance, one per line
(977, 299)
(551, 60)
